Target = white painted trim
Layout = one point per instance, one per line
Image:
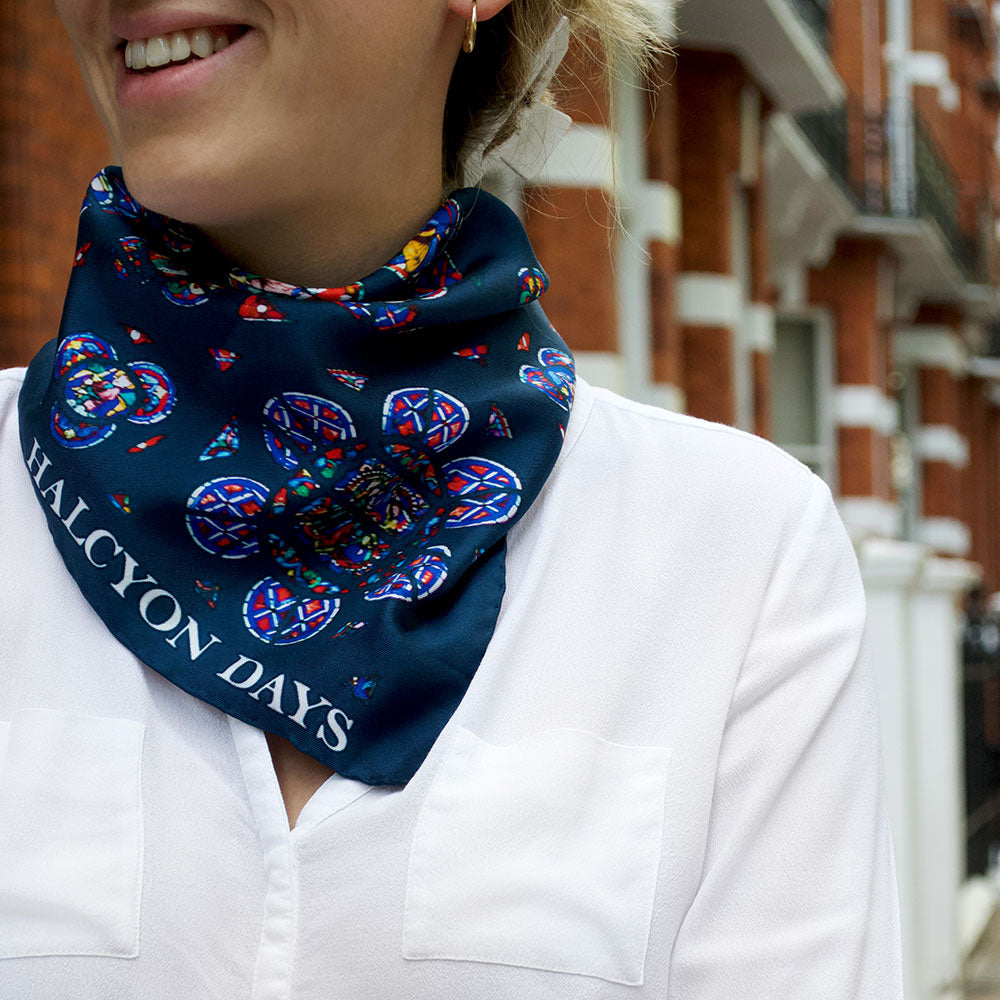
(985, 368)
(944, 575)
(582, 159)
(810, 51)
(941, 443)
(869, 515)
(946, 534)
(666, 396)
(705, 299)
(757, 327)
(977, 899)
(889, 563)
(750, 134)
(601, 368)
(930, 346)
(659, 212)
(792, 282)
(633, 292)
(930, 69)
(865, 406)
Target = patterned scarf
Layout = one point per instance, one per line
(293, 502)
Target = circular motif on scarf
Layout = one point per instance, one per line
(80, 434)
(277, 616)
(348, 519)
(556, 377)
(485, 491)
(223, 514)
(99, 390)
(79, 348)
(420, 575)
(110, 193)
(160, 393)
(533, 282)
(433, 416)
(184, 293)
(338, 536)
(301, 426)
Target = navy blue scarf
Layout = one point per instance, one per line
(293, 502)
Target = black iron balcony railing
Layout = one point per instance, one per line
(826, 129)
(816, 15)
(889, 164)
(937, 190)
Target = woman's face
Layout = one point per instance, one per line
(322, 99)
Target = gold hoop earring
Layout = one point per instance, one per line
(470, 31)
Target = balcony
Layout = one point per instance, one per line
(909, 198)
(810, 170)
(816, 16)
(784, 44)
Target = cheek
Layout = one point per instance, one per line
(92, 51)
(353, 62)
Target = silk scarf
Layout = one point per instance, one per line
(293, 502)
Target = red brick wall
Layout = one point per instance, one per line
(978, 480)
(848, 286)
(708, 90)
(570, 228)
(708, 373)
(52, 145)
(663, 164)
(972, 129)
(666, 331)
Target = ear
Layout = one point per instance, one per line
(485, 9)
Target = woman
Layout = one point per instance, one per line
(357, 648)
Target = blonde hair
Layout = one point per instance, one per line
(622, 36)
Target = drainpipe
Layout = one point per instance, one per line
(902, 186)
(632, 258)
(871, 103)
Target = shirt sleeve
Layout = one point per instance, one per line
(798, 898)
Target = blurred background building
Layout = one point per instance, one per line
(811, 198)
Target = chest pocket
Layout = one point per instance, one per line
(70, 835)
(543, 854)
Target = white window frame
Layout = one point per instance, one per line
(823, 454)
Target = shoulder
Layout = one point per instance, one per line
(10, 385)
(684, 465)
(11, 462)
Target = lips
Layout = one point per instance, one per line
(179, 47)
(163, 21)
(182, 83)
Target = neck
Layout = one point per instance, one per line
(333, 238)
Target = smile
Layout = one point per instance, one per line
(146, 55)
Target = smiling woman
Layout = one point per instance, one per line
(379, 666)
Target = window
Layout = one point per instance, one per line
(802, 379)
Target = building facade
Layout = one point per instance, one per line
(810, 193)
(810, 196)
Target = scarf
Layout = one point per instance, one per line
(293, 502)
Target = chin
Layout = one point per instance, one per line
(200, 186)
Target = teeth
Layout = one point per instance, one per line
(201, 43)
(175, 47)
(138, 52)
(180, 47)
(157, 52)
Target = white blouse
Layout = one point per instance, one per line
(664, 782)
